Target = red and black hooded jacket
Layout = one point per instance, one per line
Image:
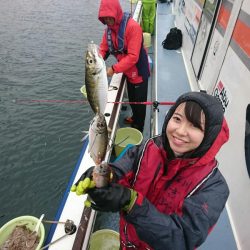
(134, 61)
(179, 199)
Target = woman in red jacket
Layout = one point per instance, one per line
(123, 38)
(169, 190)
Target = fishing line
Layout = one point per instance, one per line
(24, 101)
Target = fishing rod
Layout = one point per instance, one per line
(154, 103)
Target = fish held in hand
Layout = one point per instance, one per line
(96, 80)
(98, 138)
(102, 175)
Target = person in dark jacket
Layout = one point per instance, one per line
(169, 190)
(123, 38)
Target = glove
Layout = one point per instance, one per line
(112, 198)
(84, 183)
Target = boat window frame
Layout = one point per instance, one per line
(211, 18)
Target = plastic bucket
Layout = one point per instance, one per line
(29, 221)
(147, 40)
(125, 136)
(104, 239)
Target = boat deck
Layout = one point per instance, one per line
(170, 71)
(172, 81)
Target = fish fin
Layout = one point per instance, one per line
(91, 146)
(84, 137)
(95, 158)
(85, 132)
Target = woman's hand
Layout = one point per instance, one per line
(112, 198)
(110, 71)
(84, 183)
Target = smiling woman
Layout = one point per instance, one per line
(185, 129)
(168, 190)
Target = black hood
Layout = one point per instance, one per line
(214, 115)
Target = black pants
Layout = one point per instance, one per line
(138, 93)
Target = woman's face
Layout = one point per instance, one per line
(183, 136)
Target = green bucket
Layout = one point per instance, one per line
(29, 221)
(125, 136)
(147, 40)
(104, 239)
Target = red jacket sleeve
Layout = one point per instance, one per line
(133, 41)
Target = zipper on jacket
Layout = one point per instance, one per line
(127, 244)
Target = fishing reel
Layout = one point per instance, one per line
(155, 106)
(69, 228)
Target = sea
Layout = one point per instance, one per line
(42, 119)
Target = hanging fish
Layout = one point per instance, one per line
(96, 80)
(98, 138)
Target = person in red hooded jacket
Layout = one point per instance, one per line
(123, 38)
(169, 190)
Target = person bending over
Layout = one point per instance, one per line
(123, 38)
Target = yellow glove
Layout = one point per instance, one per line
(84, 183)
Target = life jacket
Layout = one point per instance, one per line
(142, 63)
(121, 33)
(183, 177)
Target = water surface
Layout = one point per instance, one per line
(42, 51)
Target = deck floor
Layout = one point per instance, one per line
(170, 71)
